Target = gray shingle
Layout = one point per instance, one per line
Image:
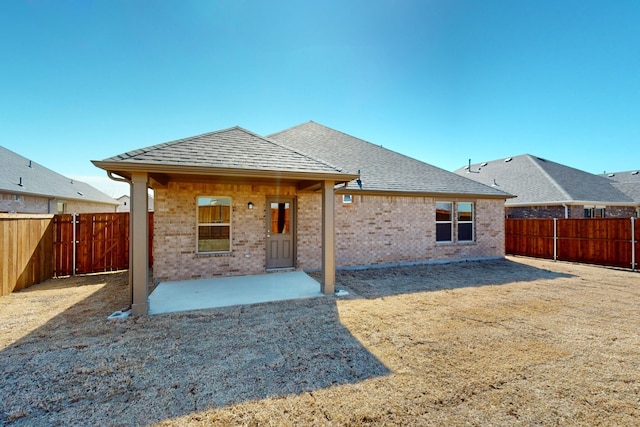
(40, 181)
(233, 148)
(380, 169)
(628, 182)
(536, 181)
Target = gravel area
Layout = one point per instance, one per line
(510, 342)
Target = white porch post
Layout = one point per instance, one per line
(328, 239)
(139, 244)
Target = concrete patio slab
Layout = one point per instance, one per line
(200, 294)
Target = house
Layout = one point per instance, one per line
(232, 202)
(124, 203)
(28, 187)
(629, 183)
(546, 189)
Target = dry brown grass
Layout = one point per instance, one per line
(510, 342)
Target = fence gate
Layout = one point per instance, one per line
(93, 243)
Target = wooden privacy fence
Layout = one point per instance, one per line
(93, 243)
(26, 243)
(34, 248)
(603, 241)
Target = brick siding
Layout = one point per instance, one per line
(373, 230)
(574, 211)
(45, 205)
(24, 204)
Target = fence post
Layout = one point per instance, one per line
(555, 239)
(73, 224)
(633, 244)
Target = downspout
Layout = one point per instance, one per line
(128, 181)
(117, 178)
(566, 210)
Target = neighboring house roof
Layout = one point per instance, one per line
(537, 181)
(19, 175)
(381, 170)
(233, 148)
(628, 182)
(124, 203)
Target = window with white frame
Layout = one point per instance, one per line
(457, 216)
(594, 211)
(444, 222)
(214, 224)
(465, 221)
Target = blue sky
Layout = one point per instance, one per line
(441, 81)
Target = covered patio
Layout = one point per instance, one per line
(245, 171)
(199, 294)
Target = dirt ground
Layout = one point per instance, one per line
(509, 342)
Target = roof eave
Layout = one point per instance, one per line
(125, 169)
(573, 203)
(423, 194)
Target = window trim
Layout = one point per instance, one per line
(590, 211)
(456, 222)
(216, 224)
(450, 221)
(472, 222)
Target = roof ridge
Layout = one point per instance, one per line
(295, 150)
(396, 153)
(549, 177)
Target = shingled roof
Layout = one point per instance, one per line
(381, 170)
(537, 181)
(233, 148)
(19, 175)
(628, 182)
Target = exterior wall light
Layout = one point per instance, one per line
(250, 205)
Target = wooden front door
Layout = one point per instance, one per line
(280, 232)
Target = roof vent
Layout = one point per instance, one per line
(484, 164)
(611, 175)
(634, 172)
(80, 193)
(508, 160)
(495, 184)
(20, 183)
(29, 163)
(466, 168)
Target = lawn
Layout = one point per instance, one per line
(509, 342)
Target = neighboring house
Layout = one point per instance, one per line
(629, 183)
(124, 203)
(546, 189)
(233, 202)
(28, 187)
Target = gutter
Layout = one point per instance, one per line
(119, 167)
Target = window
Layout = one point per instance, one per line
(594, 212)
(464, 219)
(347, 198)
(214, 224)
(60, 207)
(444, 222)
(465, 222)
